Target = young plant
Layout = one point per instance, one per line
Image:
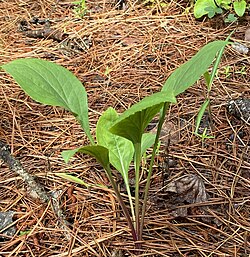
(120, 139)
(209, 78)
(80, 8)
(213, 7)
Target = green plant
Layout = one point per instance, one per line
(80, 8)
(213, 7)
(209, 78)
(242, 71)
(227, 71)
(230, 18)
(120, 139)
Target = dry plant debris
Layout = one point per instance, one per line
(34, 189)
(240, 108)
(132, 53)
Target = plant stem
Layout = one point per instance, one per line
(130, 202)
(92, 142)
(146, 190)
(122, 204)
(137, 147)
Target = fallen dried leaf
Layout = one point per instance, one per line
(189, 188)
(182, 191)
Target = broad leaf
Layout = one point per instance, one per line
(240, 7)
(132, 123)
(202, 7)
(51, 84)
(148, 140)
(188, 73)
(121, 150)
(99, 152)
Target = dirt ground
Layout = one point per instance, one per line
(122, 56)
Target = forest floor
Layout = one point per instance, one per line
(121, 56)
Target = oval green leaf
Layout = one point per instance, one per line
(202, 7)
(240, 7)
(51, 84)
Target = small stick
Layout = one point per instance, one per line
(36, 189)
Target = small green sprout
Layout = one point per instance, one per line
(227, 71)
(242, 71)
(213, 7)
(231, 18)
(80, 8)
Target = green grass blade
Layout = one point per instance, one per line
(72, 178)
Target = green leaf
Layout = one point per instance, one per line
(51, 84)
(132, 123)
(225, 4)
(230, 18)
(203, 7)
(71, 178)
(218, 10)
(99, 152)
(217, 62)
(204, 135)
(148, 140)
(121, 150)
(188, 73)
(207, 78)
(25, 232)
(240, 7)
(67, 154)
(210, 12)
(200, 115)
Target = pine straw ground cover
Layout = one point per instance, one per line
(138, 48)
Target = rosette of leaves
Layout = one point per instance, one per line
(121, 139)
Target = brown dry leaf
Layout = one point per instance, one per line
(169, 130)
(189, 188)
(178, 193)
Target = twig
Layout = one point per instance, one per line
(35, 189)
